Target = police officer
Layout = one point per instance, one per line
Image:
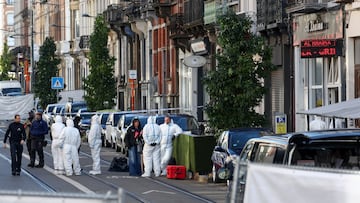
(17, 136)
(38, 130)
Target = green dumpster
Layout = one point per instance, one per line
(194, 152)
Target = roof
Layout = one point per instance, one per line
(346, 109)
(310, 135)
(332, 133)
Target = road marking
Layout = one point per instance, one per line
(64, 178)
(124, 177)
(43, 185)
(158, 191)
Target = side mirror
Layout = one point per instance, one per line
(219, 149)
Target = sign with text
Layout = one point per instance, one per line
(321, 48)
(280, 124)
(319, 25)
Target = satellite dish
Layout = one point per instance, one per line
(194, 61)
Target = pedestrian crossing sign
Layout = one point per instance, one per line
(57, 83)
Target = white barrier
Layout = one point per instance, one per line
(36, 197)
(11, 105)
(283, 184)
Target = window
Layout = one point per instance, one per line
(224, 143)
(245, 154)
(11, 41)
(269, 154)
(10, 19)
(10, 2)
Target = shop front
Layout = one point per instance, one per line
(319, 62)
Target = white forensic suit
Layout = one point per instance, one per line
(317, 124)
(168, 132)
(151, 151)
(94, 139)
(70, 140)
(56, 150)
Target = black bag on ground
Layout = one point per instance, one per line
(119, 164)
(172, 161)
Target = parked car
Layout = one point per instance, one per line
(187, 123)
(103, 118)
(85, 122)
(336, 148)
(111, 125)
(229, 147)
(72, 108)
(48, 113)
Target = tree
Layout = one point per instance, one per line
(236, 86)
(47, 67)
(5, 63)
(99, 85)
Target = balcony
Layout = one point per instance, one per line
(62, 47)
(84, 42)
(212, 9)
(304, 6)
(75, 45)
(193, 12)
(115, 15)
(163, 7)
(270, 15)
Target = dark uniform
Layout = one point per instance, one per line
(38, 130)
(16, 134)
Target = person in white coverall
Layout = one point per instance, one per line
(70, 140)
(151, 151)
(94, 139)
(317, 124)
(168, 131)
(56, 129)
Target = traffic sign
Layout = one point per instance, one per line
(57, 83)
(132, 74)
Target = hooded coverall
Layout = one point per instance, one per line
(168, 131)
(94, 139)
(70, 140)
(56, 150)
(317, 124)
(151, 151)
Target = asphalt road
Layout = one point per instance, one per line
(136, 189)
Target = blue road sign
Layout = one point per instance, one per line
(57, 83)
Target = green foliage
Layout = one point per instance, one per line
(236, 86)
(100, 84)
(47, 67)
(5, 63)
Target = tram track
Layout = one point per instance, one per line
(35, 179)
(110, 184)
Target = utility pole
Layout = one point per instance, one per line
(32, 64)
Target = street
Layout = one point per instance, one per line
(136, 189)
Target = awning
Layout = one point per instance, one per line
(346, 109)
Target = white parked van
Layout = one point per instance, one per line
(10, 88)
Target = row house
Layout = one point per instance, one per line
(321, 72)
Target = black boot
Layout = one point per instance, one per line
(31, 164)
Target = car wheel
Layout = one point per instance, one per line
(214, 175)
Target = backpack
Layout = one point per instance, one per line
(119, 164)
